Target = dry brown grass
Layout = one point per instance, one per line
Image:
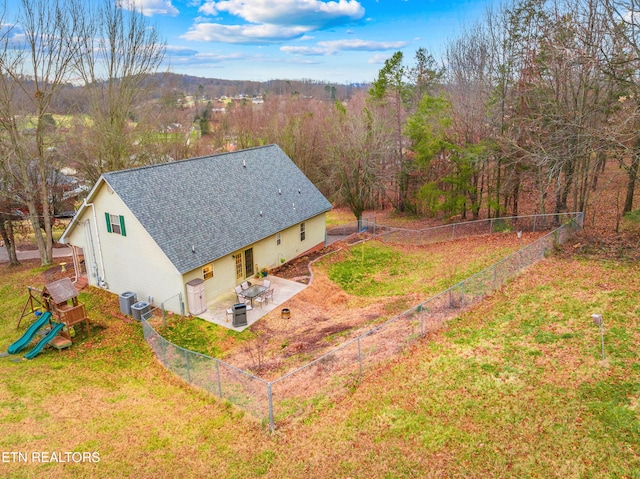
(324, 309)
(483, 397)
(471, 401)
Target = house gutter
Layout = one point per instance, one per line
(76, 264)
(101, 280)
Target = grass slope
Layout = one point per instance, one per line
(514, 388)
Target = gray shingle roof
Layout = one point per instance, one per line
(213, 203)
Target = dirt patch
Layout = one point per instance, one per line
(298, 268)
(311, 340)
(617, 247)
(324, 316)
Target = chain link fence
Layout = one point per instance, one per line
(335, 372)
(437, 234)
(211, 374)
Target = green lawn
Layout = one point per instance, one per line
(376, 269)
(371, 273)
(513, 388)
(337, 217)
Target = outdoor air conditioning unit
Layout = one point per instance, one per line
(127, 299)
(140, 309)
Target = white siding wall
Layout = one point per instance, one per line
(291, 247)
(131, 263)
(266, 254)
(135, 262)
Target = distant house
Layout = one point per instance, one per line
(219, 218)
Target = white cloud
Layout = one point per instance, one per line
(313, 13)
(151, 7)
(208, 8)
(243, 34)
(361, 45)
(334, 46)
(223, 60)
(220, 58)
(271, 21)
(379, 58)
(175, 51)
(304, 50)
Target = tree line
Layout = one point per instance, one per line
(537, 96)
(46, 46)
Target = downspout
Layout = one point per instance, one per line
(101, 281)
(90, 247)
(76, 264)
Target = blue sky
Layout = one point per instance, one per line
(336, 41)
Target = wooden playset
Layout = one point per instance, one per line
(60, 298)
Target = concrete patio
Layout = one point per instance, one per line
(216, 312)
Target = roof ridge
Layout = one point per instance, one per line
(212, 207)
(185, 160)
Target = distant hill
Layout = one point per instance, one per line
(72, 99)
(215, 87)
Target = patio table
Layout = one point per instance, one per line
(253, 291)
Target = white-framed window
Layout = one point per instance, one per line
(115, 224)
(278, 239)
(207, 271)
(302, 231)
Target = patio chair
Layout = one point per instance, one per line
(242, 299)
(244, 285)
(269, 295)
(266, 283)
(262, 298)
(265, 297)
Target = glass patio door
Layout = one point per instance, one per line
(248, 262)
(244, 264)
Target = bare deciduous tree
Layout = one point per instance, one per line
(34, 66)
(119, 52)
(356, 157)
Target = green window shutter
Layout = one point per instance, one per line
(108, 218)
(122, 229)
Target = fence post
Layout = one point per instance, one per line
(535, 219)
(453, 232)
(164, 315)
(359, 356)
(164, 349)
(270, 397)
(181, 304)
(491, 226)
(186, 358)
(219, 382)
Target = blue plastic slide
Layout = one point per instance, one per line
(26, 338)
(44, 341)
